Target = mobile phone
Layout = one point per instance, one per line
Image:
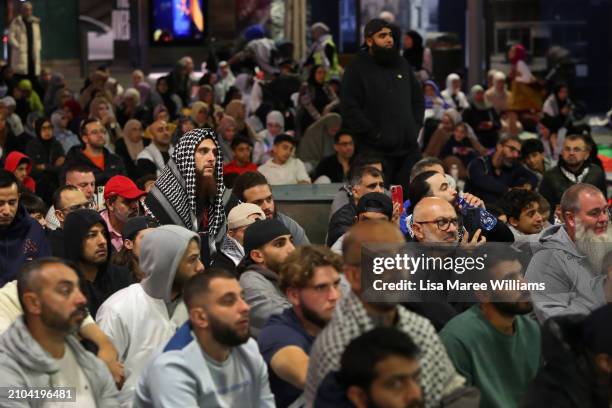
(397, 194)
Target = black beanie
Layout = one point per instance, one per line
(261, 232)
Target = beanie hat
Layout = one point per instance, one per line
(261, 232)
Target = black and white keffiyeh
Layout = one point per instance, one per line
(177, 183)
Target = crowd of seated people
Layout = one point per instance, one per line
(141, 216)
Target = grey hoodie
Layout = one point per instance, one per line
(571, 285)
(24, 363)
(262, 293)
(160, 256)
(142, 317)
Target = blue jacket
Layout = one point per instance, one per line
(20, 242)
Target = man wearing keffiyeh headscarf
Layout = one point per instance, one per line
(190, 191)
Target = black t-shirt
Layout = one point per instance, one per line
(331, 168)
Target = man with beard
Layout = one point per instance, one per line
(382, 103)
(522, 207)
(569, 256)
(267, 244)
(369, 364)
(491, 176)
(121, 199)
(87, 244)
(574, 167)
(40, 349)
(190, 191)
(144, 316)
(494, 344)
(210, 361)
(355, 315)
(252, 187)
(310, 279)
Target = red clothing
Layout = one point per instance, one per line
(12, 162)
(233, 167)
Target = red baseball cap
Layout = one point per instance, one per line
(122, 186)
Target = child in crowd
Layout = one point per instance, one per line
(282, 168)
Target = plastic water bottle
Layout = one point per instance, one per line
(487, 220)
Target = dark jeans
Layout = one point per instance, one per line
(397, 169)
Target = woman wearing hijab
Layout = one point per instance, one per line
(206, 94)
(130, 145)
(200, 115)
(50, 99)
(316, 97)
(131, 107)
(558, 107)
(434, 102)
(275, 125)
(226, 132)
(47, 156)
(453, 95)
(318, 140)
(417, 55)
(102, 110)
(498, 95)
(524, 96)
(8, 141)
(482, 118)
(162, 95)
(60, 120)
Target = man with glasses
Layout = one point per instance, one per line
(94, 155)
(336, 166)
(574, 167)
(121, 198)
(492, 176)
(310, 278)
(66, 199)
(154, 157)
(572, 258)
(81, 177)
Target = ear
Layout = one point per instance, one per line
(357, 396)
(513, 221)
(128, 243)
(369, 41)
(32, 303)
(60, 216)
(353, 276)
(257, 256)
(293, 296)
(198, 317)
(417, 230)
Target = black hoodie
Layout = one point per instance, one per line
(110, 278)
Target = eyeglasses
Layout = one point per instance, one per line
(573, 150)
(512, 149)
(443, 224)
(82, 206)
(97, 132)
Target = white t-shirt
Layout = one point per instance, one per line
(70, 374)
(289, 173)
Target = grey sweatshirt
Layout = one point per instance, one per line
(24, 363)
(571, 286)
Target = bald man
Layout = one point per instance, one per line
(154, 157)
(435, 220)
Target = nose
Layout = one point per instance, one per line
(200, 267)
(334, 293)
(79, 298)
(244, 306)
(290, 247)
(412, 392)
(101, 241)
